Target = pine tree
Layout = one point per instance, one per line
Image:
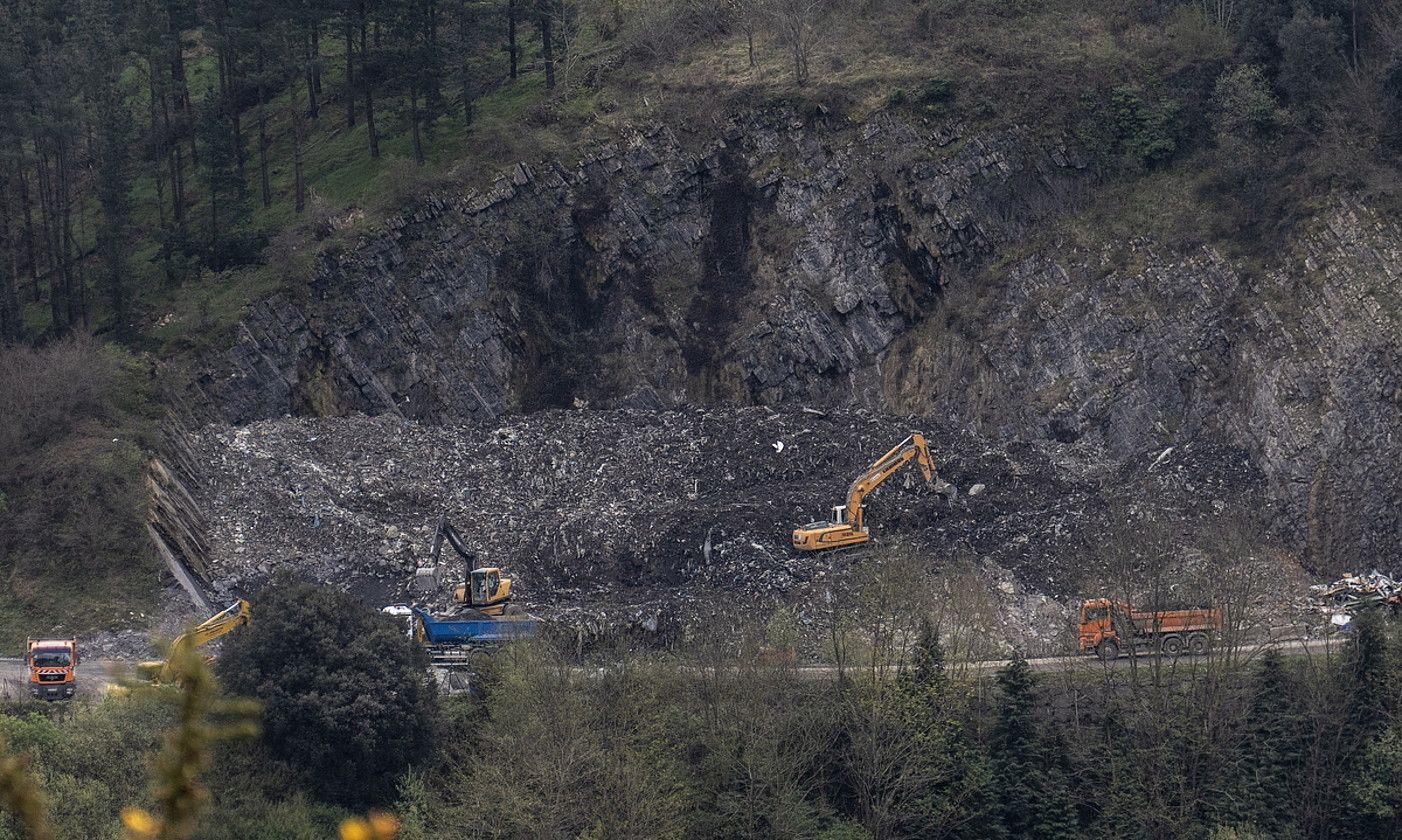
(113, 178)
(1371, 747)
(1033, 794)
(952, 784)
(1271, 753)
(219, 171)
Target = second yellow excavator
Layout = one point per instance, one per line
(484, 589)
(162, 672)
(848, 526)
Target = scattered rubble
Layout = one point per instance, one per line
(648, 522)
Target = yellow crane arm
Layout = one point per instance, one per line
(221, 623)
(912, 448)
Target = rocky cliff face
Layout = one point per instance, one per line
(782, 260)
(775, 262)
(1298, 364)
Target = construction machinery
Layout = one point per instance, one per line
(52, 667)
(848, 524)
(1109, 628)
(484, 588)
(231, 618)
(450, 639)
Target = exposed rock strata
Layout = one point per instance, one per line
(790, 261)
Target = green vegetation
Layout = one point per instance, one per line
(345, 693)
(220, 138)
(730, 743)
(74, 426)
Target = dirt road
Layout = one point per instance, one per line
(95, 676)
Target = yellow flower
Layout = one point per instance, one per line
(139, 823)
(354, 828)
(384, 825)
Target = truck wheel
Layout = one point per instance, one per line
(1197, 644)
(1108, 650)
(1172, 645)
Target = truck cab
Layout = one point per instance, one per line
(52, 665)
(1096, 624)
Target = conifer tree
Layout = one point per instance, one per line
(1372, 749)
(113, 125)
(1271, 752)
(952, 784)
(1033, 794)
(219, 170)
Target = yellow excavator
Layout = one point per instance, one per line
(162, 672)
(484, 589)
(848, 526)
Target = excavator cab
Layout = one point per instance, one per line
(834, 534)
(485, 591)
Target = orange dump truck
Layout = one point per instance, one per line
(52, 664)
(1109, 628)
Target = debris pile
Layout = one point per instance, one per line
(658, 520)
(1352, 594)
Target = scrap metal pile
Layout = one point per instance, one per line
(1352, 594)
(664, 519)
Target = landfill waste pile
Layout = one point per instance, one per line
(647, 523)
(1352, 594)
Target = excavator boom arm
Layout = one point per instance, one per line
(912, 448)
(222, 623)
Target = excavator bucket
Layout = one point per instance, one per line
(427, 580)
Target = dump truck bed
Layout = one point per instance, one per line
(475, 629)
(1176, 621)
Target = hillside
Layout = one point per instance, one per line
(1116, 229)
(627, 290)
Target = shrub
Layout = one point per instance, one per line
(1309, 57)
(72, 437)
(937, 91)
(1138, 127)
(1245, 117)
(347, 698)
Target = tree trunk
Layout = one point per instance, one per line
(28, 226)
(299, 127)
(236, 126)
(77, 297)
(265, 183)
(157, 179)
(547, 48)
(350, 77)
(312, 110)
(298, 180)
(57, 306)
(316, 58)
(511, 51)
(182, 97)
(176, 164)
(414, 120)
(9, 269)
(368, 84)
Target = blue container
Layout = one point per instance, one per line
(474, 631)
